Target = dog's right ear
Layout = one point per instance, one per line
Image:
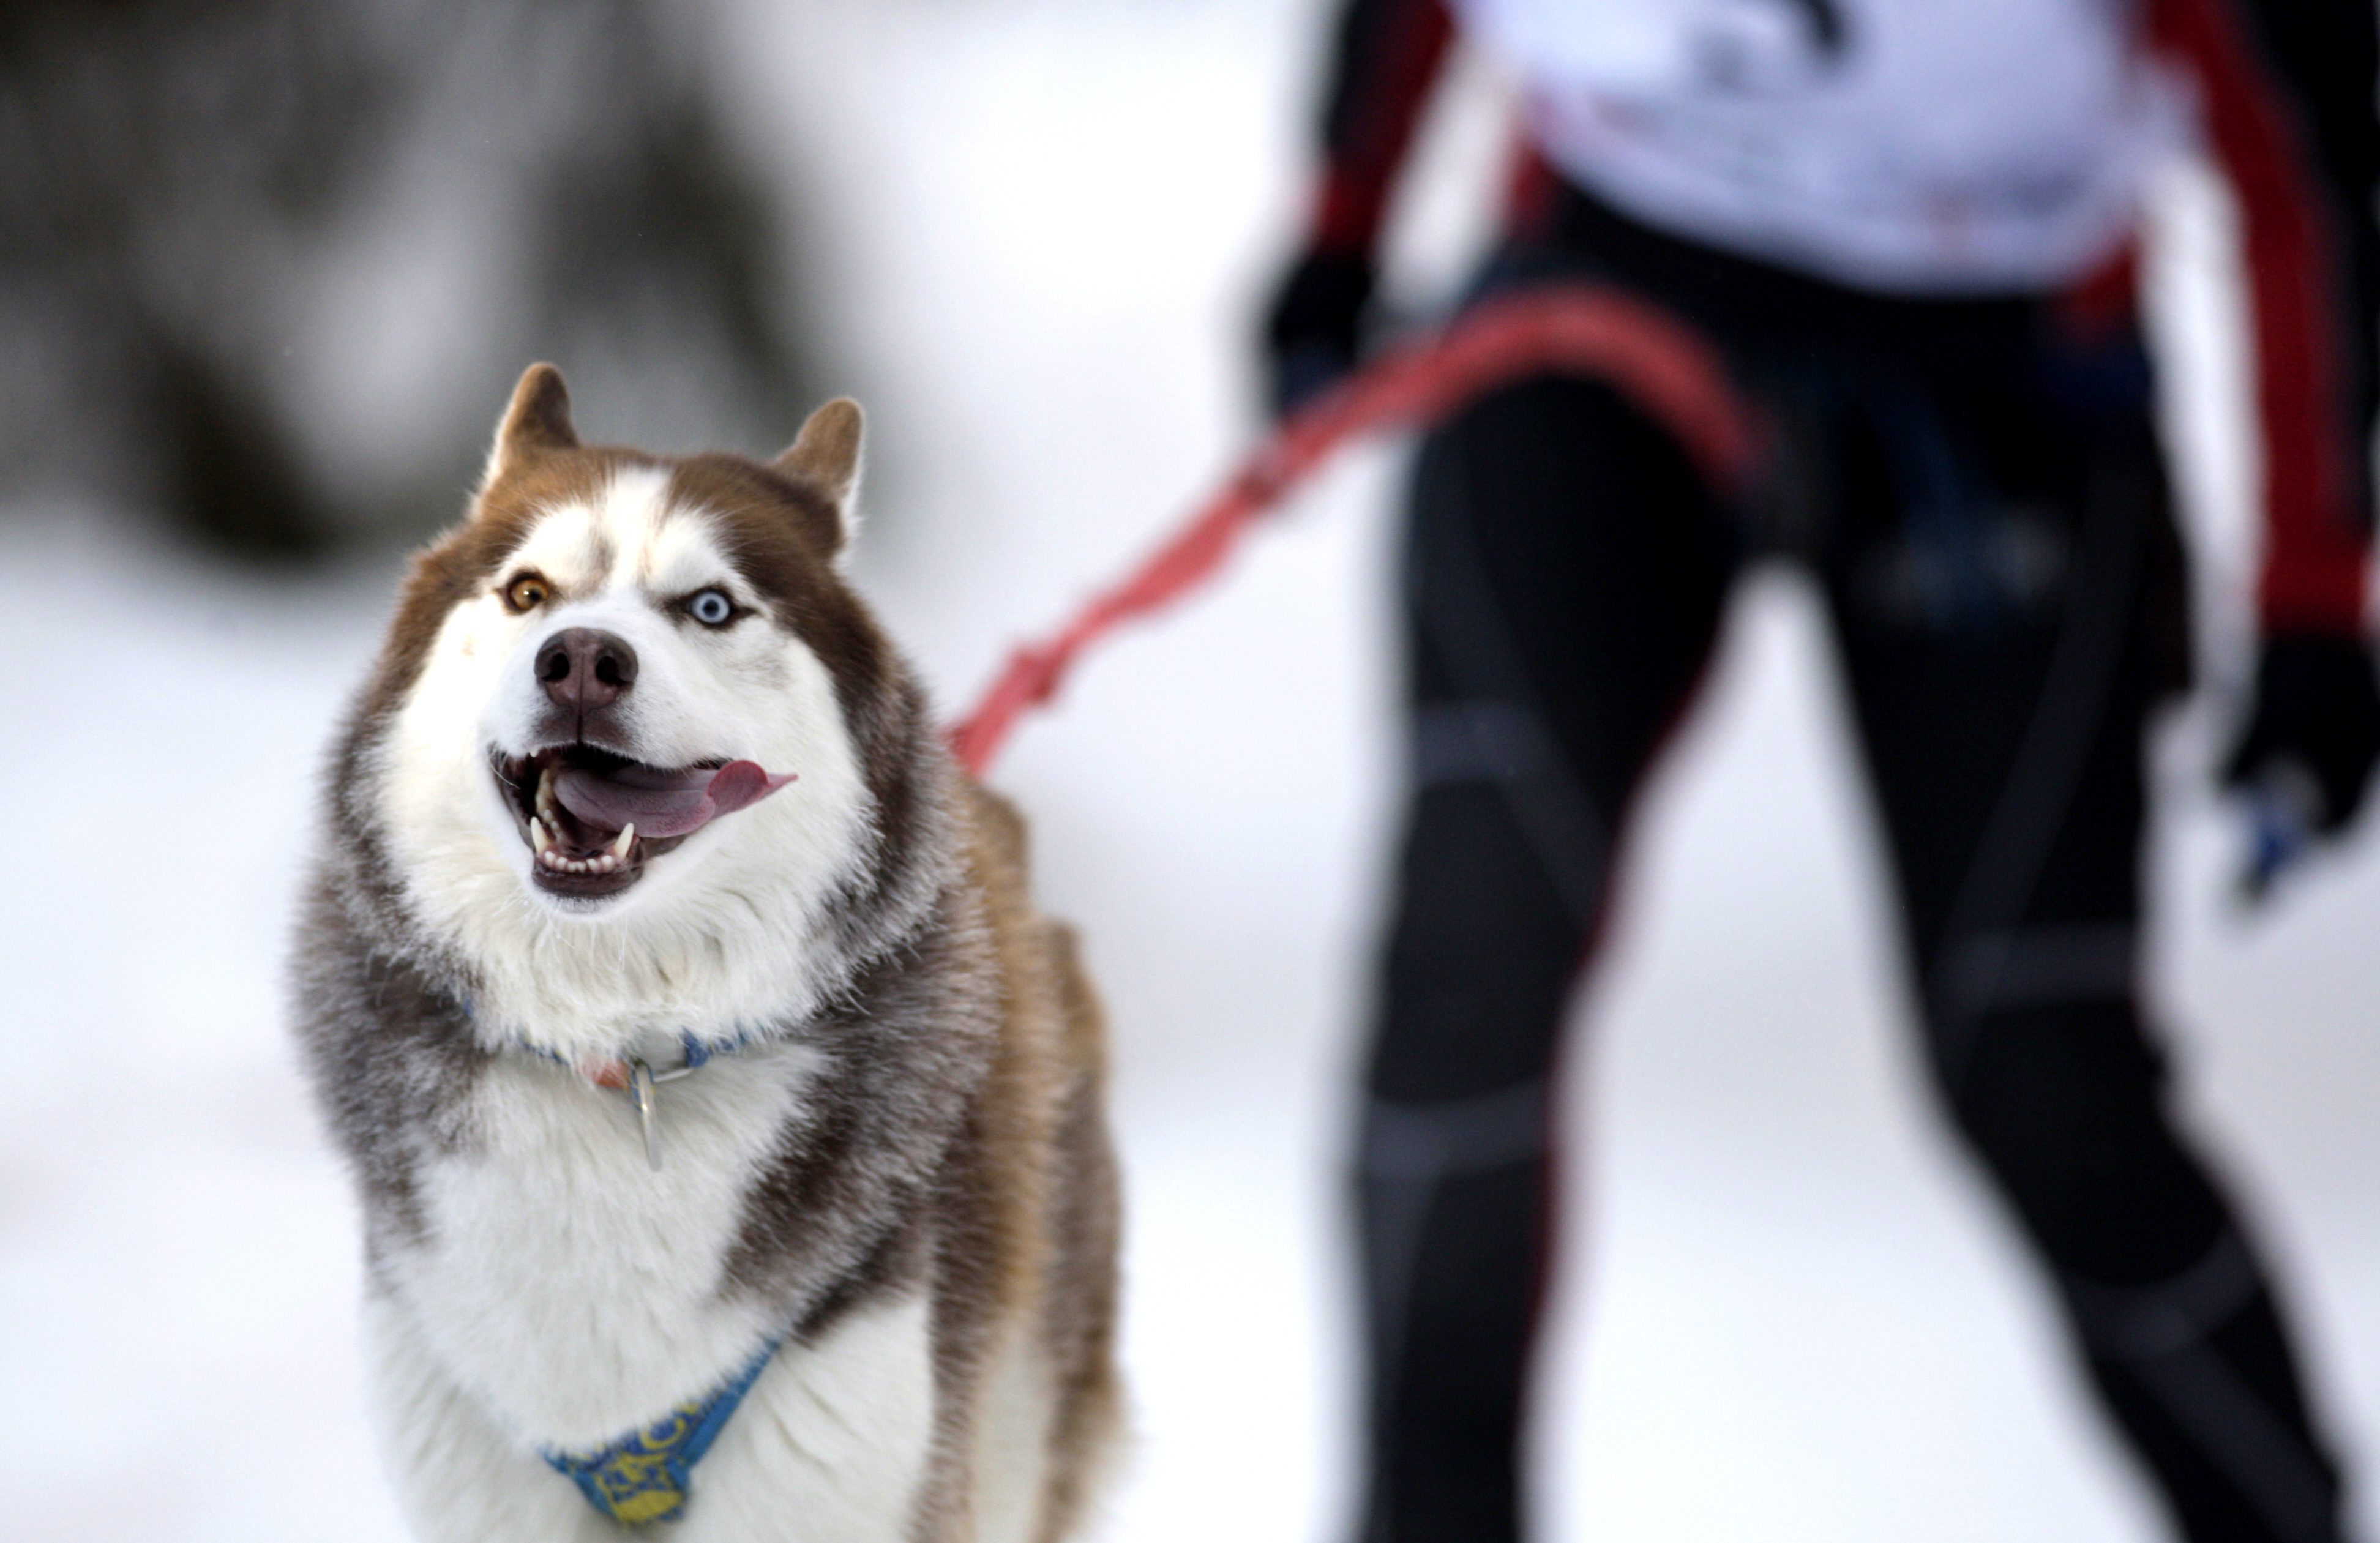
(537, 422)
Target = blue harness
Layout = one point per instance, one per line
(645, 1476)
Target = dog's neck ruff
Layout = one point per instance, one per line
(647, 1474)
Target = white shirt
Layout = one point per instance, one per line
(1946, 146)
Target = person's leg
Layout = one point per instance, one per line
(1565, 574)
(2002, 717)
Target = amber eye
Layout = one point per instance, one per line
(525, 593)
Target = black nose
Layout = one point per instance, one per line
(583, 669)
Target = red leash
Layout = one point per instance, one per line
(1664, 369)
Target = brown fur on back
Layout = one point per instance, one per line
(1031, 1214)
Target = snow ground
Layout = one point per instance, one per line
(1787, 1312)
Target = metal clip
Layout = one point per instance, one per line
(640, 1087)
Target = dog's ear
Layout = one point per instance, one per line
(537, 421)
(826, 454)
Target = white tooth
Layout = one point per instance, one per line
(536, 835)
(627, 839)
(545, 789)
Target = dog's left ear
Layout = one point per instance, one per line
(826, 454)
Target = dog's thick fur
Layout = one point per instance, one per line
(902, 1163)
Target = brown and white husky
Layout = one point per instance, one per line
(727, 1123)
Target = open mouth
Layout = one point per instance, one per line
(593, 818)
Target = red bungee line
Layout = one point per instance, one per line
(1666, 371)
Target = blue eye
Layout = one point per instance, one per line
(711, 607)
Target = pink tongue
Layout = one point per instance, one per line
(664, 803)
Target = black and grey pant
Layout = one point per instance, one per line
(1982, 505)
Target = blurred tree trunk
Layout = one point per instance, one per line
(198, 203)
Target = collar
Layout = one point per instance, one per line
(618, 1072)
(637, 1078)
(633, 1075)
(646, 1474)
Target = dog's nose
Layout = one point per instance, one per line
(583, 669)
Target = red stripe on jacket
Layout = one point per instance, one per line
(1383, 109)
(2316, 550)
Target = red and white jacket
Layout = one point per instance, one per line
(1955, 147)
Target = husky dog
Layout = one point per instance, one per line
(727, 1123)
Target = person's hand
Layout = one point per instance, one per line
(2314, 727)
(1314, 330)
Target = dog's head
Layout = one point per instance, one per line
(634, 740)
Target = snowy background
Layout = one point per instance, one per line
(1787, 1310)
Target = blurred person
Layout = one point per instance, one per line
(1908, 225)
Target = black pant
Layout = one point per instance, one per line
(1978, 491)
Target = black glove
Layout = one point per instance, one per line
(1314, 329)
(2317, 709)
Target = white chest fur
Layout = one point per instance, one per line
(565, 1284)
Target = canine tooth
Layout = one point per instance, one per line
(545, 789)
(537, 836)
(627, 839)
